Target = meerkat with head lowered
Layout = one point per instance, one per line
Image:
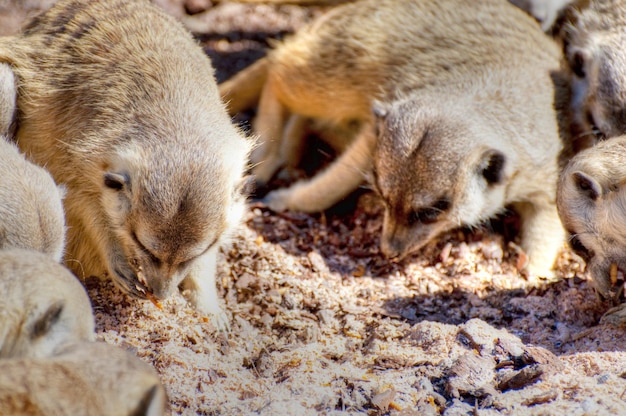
(592, 204)
(463, 121)
(42, 306)
(121, 106)
(86, 378)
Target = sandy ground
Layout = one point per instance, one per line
(322, 323)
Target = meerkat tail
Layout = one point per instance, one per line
(243, 90)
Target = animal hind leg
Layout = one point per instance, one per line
(331, 185)
(269, 125)
(542, 238)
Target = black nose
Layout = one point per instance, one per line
(392, 249)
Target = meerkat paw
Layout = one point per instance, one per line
(199, 288)
(279, 200)
(615, 316)
(539, 276)
(209, 308)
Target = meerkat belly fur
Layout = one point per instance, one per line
(120, 104)
(86, 378)
(42, 306)
(465, 123)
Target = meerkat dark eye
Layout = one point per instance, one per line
(429, 215)
(493, 167)
(577, 63)
(115, 181)
(579, 248)
(47, 321)
(587, 186)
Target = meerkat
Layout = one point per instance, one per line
(42, 305)
(31, 211)
(88, 378)
(31, 208)
(591, 202)
(120, 104)
(455, 104)
(593, 43)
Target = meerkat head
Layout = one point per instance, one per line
(42, 305)
(433, 172)
(598, 71)
(166, 205)
(591, 201)
(127, 385)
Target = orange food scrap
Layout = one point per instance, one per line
(613, 273)
(154, 300)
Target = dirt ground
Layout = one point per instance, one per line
(323, 324)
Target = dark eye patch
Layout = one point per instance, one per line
(578, 64)
(429, 215)
(154, 258)
(115, 181)
(579, 248)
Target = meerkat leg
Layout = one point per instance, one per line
(293, 140)
(615, 316)
(8, 97)
(243, 90)
(199, 288)
(269, 125)
(542, 238)
(328, 187)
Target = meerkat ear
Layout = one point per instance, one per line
(116, 181)
(492, 166)
(47, 321)
(586, 185)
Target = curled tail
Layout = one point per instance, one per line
(242, 91)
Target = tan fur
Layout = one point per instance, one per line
(594, 42)
(474, 79)
(31, 211)
(592, 205)
(118, 102)
(42, 306)
(88, 379)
